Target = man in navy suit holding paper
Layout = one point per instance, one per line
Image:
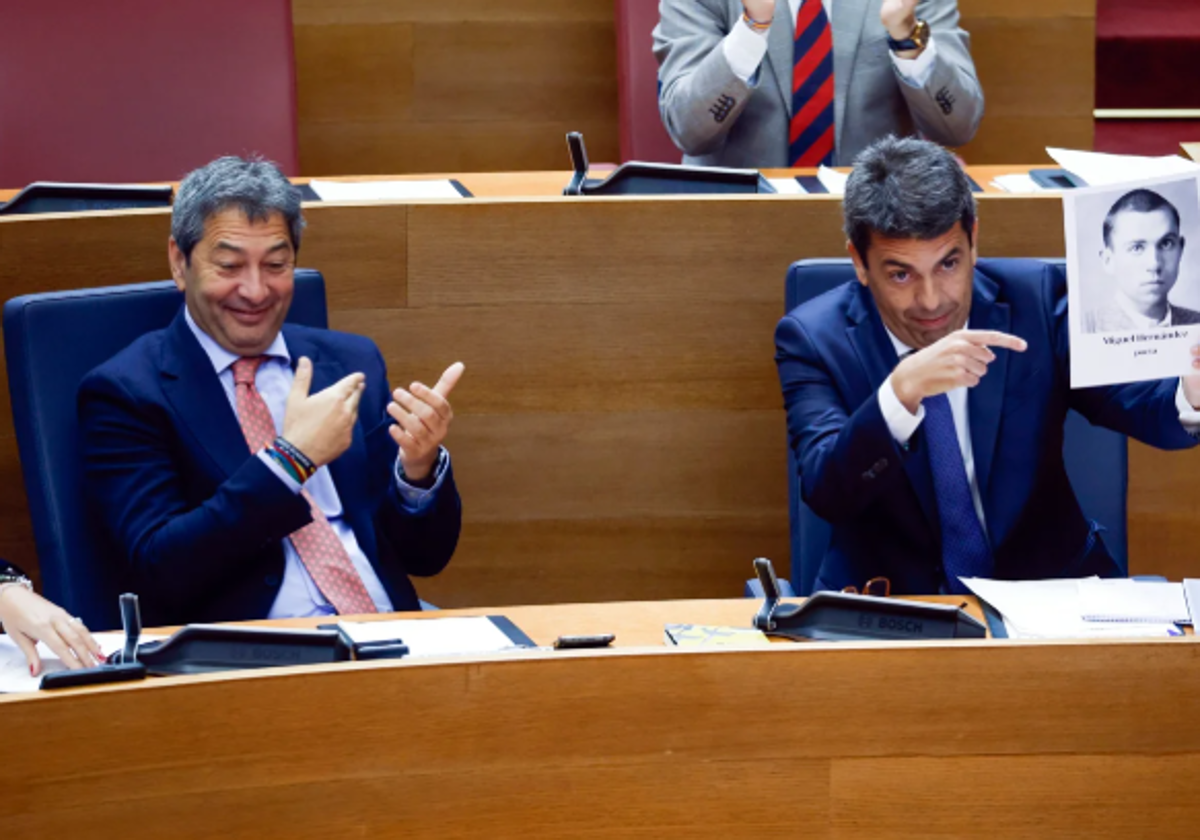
(245, 468)
(926, 402)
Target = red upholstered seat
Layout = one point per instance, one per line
(143, 90)
(642, 134)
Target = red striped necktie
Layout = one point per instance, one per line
(811, 136)
(317, 544)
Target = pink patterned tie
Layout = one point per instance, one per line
(318, 546)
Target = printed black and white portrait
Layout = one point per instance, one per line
(1133, 267)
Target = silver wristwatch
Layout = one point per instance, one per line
(12, 576)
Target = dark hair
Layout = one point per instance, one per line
(905, 188)
(1137, 201)
(254, 186)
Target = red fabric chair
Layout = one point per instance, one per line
(643, 136)
(143, 90)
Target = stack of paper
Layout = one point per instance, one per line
(383, 190)
(787, 186)
(832, 180)
(1099, 169)
(1051, 609)
(1133, 601)
(713, 636)
(434, 636)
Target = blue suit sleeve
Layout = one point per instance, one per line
(1145, 411)
(175, 551)
(416, 540)
(846, 455)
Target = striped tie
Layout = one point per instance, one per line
(811, 135)
(317, 544)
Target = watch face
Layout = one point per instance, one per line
(921, 34)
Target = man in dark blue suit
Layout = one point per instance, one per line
(926, 402)
(245, 468)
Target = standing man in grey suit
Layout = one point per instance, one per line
(772, 83)
(1142, 252)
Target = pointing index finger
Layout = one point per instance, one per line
(995, 338)
(449, 379)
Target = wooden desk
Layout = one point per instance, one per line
(1017, 739)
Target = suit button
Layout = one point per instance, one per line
(880, 465)
(868, 475)
(271, 580)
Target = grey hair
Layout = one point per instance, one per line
(252, 185)
(905, 188)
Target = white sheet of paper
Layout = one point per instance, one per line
(1019, 183)
(383, 190)
(1136, 601)
(1099, 169)
(14, 670)
(434, 636)
(832, 180)
(1050, 609)
(787, 186)
(1104, 279)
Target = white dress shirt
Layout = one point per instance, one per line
(744, 48)
(903, 424)
(299, 594)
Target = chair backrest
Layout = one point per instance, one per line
(51, 341)
(1096, 458)
(643, 136)
(143, 90)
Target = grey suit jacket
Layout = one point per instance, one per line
(719, 120)
(1112, 318)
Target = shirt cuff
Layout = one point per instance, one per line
(900, 422)
(418, 499)
(279, 471)
(744, 50)
(1188, 416)
(915, 72)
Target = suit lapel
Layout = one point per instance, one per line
(986, 400)
(779, 52)
(193, 389)
(877, 355)
(849, 17)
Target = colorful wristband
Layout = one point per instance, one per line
(757, 26)
(291, 460)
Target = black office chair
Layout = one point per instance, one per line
(1096, 458)
(51, 341)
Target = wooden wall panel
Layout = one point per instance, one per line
(1036, 62)
(398, 87)
(389, 86)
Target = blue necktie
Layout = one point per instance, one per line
(965, 551)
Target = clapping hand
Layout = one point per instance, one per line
(899, 17)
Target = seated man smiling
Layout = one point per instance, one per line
(248, 468)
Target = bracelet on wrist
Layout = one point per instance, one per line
(756, 25)
(294, 462)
